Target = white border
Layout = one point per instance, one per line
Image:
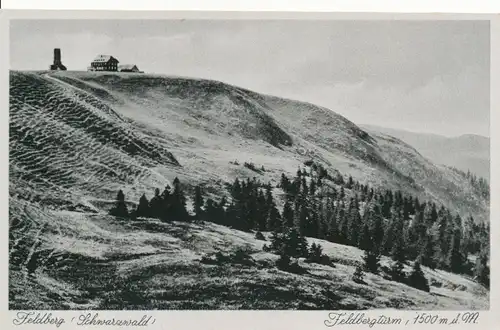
(243, 320)
(387, 6)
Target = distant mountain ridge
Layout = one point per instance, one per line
(467, 152)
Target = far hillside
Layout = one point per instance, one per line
(466, 152)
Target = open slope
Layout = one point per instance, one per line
(88, 261)
(140, 126)
(78, 137)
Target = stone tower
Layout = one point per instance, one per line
(57, 65)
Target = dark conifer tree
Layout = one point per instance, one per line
(296, 244)
(263, 208)
(120, 208)
(156, 206)
(303, 220)
(312, 188)
(416, 234)
(355, 223)
(342, 223)
(198, 203)
(358, 275)
(143, 207)
(378, 228)
(455, 259)
(390, 234)
(236, 190)
(332, 227)
(430, 214)
(482, 269)
(305, 189)
(342, 193)
(397, 272)
(398, 252)
(417, 278)
(428, 256)
(221, 212)
(178, 210)
(284, 183)
(365, 239)
(274, 221)
(445, 234)
(211, 211)
(288, 216)
(372, 261)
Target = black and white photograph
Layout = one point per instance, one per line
(249, 164)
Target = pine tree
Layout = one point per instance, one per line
(315, 252)
(378, 229)
(120, 208)
(303, 220)
(288, 216)
(262, 211)
(274, 219)
(365, 239)
(455, 259)
(312, 187)
(445, 234)
(397, 272)
(430, 214)
(198, 203)
(398, 252)
(417, 278)
(211, 211)
(354, 222)
(416, 234)
(428, 255)
(155, 205)
(342, 223)
(285, 183)
(482, 270)
(296, 244)
(305, 189)
(221, 212)
(178, 206)
(389, 235)
(372, 261)
(143, 207)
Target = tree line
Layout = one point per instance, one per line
(330, 207)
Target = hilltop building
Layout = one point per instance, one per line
(104, 63)
(128, 68)
(57, 64)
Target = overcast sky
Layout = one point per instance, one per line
(415, 75)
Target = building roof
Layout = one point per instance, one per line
(103, 58)
(127, 67)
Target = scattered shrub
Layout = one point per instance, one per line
(358, 275)
(286, 264)
(239, 256)
(251, 166)
(308, 162)
(259, 236)
(316, 256)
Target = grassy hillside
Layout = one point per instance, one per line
(94, 261)
(78, 137)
